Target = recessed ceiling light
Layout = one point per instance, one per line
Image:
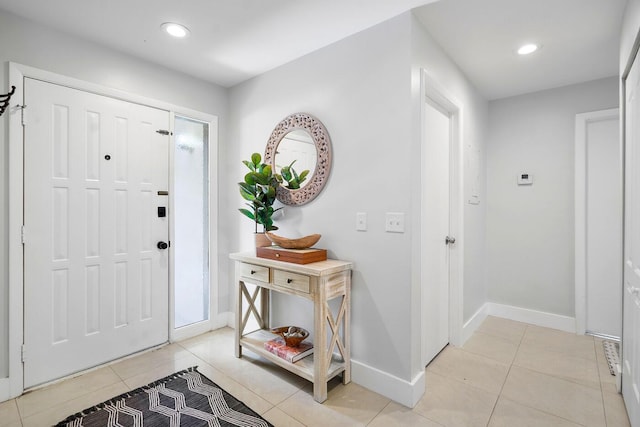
(527, 49)
(175, 30)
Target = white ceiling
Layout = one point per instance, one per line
(580, 41)
(230, 41)
(233, 40)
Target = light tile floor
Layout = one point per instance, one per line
(508, 374)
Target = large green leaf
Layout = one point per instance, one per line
(248, 214)
(286, 173)
(249, 165)
(262, 179)
(256, 159)
(247, 187)
(271, 191)
(250, 178)
(247, 195)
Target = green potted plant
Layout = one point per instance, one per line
(259, 189)
(290, 175)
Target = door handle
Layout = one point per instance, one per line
(163, 245)
(449, 240)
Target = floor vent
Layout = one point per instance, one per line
(612, 353)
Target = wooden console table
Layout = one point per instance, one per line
(319, 282)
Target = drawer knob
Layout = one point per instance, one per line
(253, 272)
(289, 280)
(277, 255)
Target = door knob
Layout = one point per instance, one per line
(162, 245)
(449, 240)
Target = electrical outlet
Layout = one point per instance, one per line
(361, 221)
(394, 222)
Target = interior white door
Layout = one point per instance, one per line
(603, 228)
(631, 310)
(96, 281)
(435, 221)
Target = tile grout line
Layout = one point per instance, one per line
(532, 370)
(506, 376)
(379, 412)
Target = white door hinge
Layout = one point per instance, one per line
(23, 353)
(24, 114)
(22, 238)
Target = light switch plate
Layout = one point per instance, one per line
(394, 222)
(361, 221)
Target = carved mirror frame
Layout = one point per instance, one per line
(321, 140)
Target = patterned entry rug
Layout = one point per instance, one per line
(184, 399)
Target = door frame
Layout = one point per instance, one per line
(431, 91)
(13, 386)
(580, 208)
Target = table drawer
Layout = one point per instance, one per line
(286, 279)
(255, 272)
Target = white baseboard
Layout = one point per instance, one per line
(228, 318)
(474, 323)
(533, 317)
(404, 392)
(225, 319)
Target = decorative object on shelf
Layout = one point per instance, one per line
(278, 347)
(5, 99)
(296, 256)
(292, 335)
(259, 189)
(289, 138)
(301, 243)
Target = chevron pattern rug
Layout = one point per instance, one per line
(184, 399)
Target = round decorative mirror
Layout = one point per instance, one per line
(299, 149)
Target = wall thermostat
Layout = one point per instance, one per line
(525, 178)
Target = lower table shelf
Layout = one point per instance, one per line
(254, 342)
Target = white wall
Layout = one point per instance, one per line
(28, 43)
(359, 88)
(364, 90)
(530, 229)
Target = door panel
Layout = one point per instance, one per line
(631, 318)
(96, 285)
(435, 220)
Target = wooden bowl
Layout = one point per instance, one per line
(292, 335)
(301, 243)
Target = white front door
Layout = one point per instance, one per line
(631, 292)
(95, 279)
(435, 221)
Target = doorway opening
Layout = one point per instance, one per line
(598, 224)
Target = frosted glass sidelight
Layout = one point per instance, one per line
(191, 246)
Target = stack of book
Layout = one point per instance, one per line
(278, 347)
